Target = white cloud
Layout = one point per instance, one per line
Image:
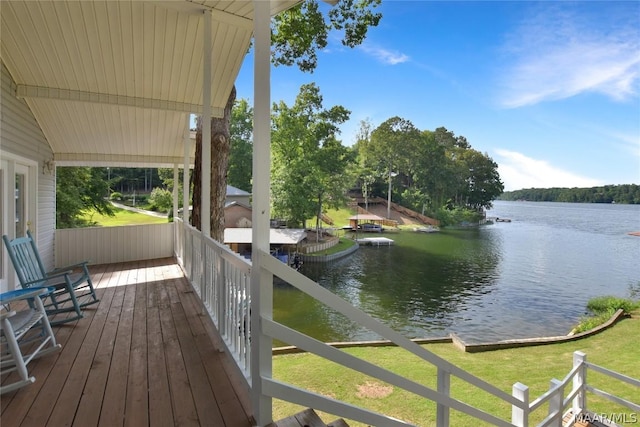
(559, 53)
(518, 171)
(384, 55)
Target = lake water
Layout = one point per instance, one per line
(530, 277)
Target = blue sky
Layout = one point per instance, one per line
(550, 90)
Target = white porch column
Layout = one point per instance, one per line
(176, 193)
(261, 279)
(205, 212)
(185, 175)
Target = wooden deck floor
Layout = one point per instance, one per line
(143, 356)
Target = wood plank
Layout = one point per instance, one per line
(309, 418)
(81, 399)
(160, 409)
(208, 412)
(184, 410)
(16, 405)
(88, 410)
(137, 401)
(306, 418)
(235, 409)
(63, 388)
(338, 423)
(113, 407)
(22, 396)
(144, 356)
(40, 368)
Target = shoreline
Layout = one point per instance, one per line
(471, 348)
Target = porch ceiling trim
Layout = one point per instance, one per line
(28, 91)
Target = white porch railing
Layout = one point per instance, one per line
(222, 279)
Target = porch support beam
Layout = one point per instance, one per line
(43, 92)
(261, 278)
(205, 173)
(218, 15)
(175, 194)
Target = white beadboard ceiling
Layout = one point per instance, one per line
(112, 82)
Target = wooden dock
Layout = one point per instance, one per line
(375, 241)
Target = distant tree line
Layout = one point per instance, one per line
(625, 194)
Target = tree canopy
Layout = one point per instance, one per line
(309, 163)
(240, 163)
(428, 170)
(80, 190)
(298, 33)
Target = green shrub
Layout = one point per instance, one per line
(161, 199)
(606, 304)
(589, 322)
(602, 309)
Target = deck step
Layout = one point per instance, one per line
(307, 418)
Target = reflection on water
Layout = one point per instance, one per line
(526, 278)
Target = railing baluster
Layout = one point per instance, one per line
(444, 387)
(520, 415)
(555, 403)
(579, 383)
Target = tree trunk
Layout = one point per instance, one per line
(196, 178)
(220, 148)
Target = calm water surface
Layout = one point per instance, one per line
(530, 277)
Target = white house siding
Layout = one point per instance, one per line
(21, 135)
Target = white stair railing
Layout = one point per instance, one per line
(577, 398)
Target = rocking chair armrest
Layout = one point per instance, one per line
(69, 267)
(57, 273)
(46, 281)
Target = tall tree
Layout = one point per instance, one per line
(297, 34)
(80, 190)
(366, 167)
(392, 146)
(240, 158)
(483, 181)
(428, 166)
(310, 165)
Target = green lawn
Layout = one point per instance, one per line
(340, 217)
(616, 349)
(123, 217)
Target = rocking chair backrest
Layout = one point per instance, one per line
(26, 260)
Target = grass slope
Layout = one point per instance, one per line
(614, 349)
(123, 217)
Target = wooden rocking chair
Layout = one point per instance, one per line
(27, 329)
(72, 286)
